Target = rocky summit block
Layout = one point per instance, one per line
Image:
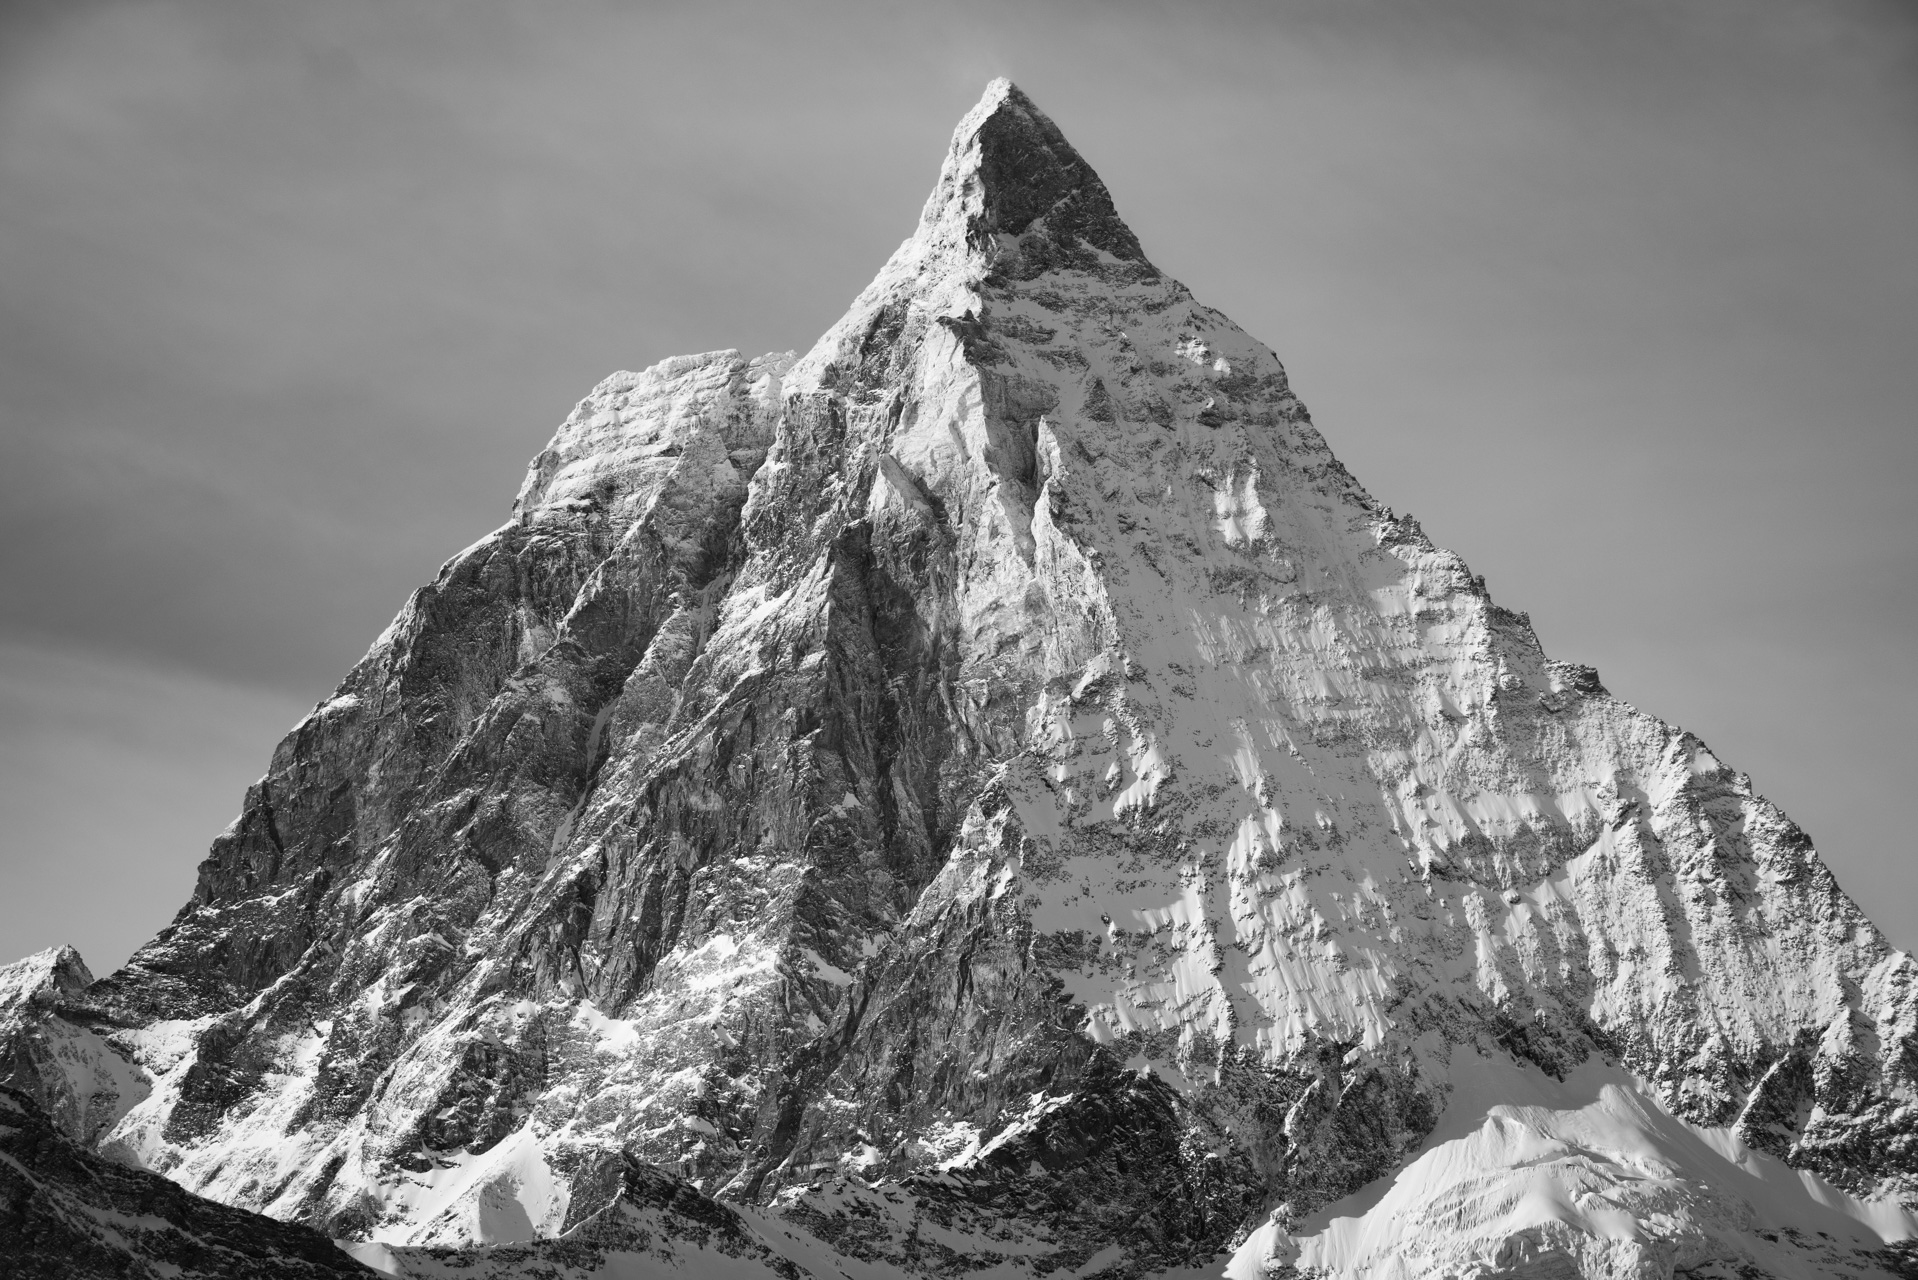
(995, 793)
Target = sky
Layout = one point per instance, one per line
(1619, 298)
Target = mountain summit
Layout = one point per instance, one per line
(1010, 167)
(994, 794)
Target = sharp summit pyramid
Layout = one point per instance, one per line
(993, 795)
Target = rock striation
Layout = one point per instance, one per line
(995, 792)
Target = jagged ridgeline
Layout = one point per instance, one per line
(994, 792)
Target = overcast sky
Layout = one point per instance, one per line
(1621, 299)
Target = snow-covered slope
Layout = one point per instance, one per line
(1593, 1174)
(995, 792)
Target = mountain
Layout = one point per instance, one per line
(994, 793)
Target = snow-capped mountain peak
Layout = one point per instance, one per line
(995, 792)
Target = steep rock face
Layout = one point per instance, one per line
(865, 784)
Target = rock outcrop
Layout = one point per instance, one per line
(996, 791)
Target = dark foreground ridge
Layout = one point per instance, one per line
(68, 1214)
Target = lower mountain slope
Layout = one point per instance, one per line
(994, 793)
(68, 1214)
